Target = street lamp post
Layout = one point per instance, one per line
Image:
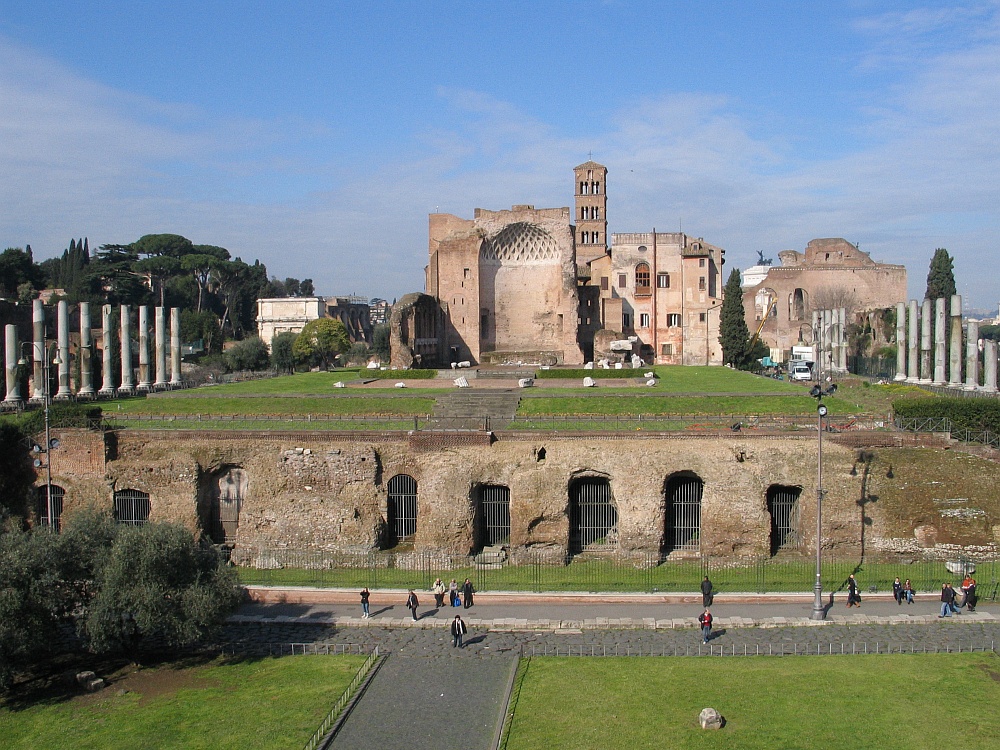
(49, 442)
(818, 392)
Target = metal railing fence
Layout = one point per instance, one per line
(830, 648)
(944, 424)
(324, 728)
(529, 570)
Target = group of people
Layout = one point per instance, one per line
(949, 597)
(457, 596)
(901, 591)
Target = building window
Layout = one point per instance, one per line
(401, 508)
(593, 518)
(604, 283)
(644, 320)
(682, 494)
(642, 279)
(667, 350)
(42, 505)
(701, 262)
(467, 273)
(492, 516)
(131, 507)
(597, 188)
(702, 317)
(663, 280)
(673, 320)
(701, 283)
(622, 281)
(626, 321)
(597, 213)
(595, 238)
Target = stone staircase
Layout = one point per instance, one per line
(468, 409)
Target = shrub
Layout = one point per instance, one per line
(964, 413)
(596, 374)
(249, 354)
(400, 374)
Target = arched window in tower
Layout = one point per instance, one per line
(594, 237)
(642, 278)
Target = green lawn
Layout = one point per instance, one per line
(630, 403)
(899, 701)
(257, 703)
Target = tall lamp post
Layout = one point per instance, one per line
(49, 442)
(818, 392)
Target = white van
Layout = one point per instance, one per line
(800, 372)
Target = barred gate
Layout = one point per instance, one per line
(683, 493)
(228, 488)
(492, 516)
(131, 507)
(42, 505)
(783, 507)
(593, 519)
(402, 507)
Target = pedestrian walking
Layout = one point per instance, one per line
(953, 603)
(467, 592)
(705, 620)
(971, 597)
(908, 591)
(947, 597)
(706, 592)
(964, 588)
(853, 592)
(458, 630)
(897, 591)
(412, 603)
(438, 589)
(453, 593)
(365, 593)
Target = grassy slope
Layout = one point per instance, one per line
(836, 702)
(266, 703)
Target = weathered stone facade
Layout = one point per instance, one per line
(310, 491)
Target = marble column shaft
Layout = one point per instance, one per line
(972, 356)
(144, 383)
(900, 341)
(12, 395)
(925, 341)
(86, 352)
(955, 355)
(62, 330)
(175, 346)
(39, 389)
(939, 340)
(990, 366)
(913, 344)
(108, 382)
(159, 339)
(127, 386)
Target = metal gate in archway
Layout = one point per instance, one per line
(402, 507)
(492, 515)
(42, 505)
(593, 518)
(783, 507)
(682, 494)
(132, 507)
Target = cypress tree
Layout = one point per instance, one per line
(734, 336)
(941, 277)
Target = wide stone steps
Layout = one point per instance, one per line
(475, 410)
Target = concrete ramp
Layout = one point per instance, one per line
(430, 703)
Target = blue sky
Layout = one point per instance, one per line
(318, 136)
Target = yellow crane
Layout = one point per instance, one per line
(771, 301)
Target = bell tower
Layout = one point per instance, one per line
(591, 211)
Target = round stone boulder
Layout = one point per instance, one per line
(709, 718)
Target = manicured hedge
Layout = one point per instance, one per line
(965, 413)
(398, 374)
(596, 374)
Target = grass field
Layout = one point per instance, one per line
(256, 703)
(899, 701)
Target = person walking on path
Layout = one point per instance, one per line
(467, 592)
(853, 592)
(966, 582)
(970, 596)
(412, 603)
(453, 593)
(897, 591)
(947, 599)
(908, 591)
(706, 592)
(705, 620)
(438, 589)
(954, 600)
(458, 630)
(365, 593)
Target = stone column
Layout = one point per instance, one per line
(62, 332)
(900, 341)
(912, 344)
(972, 356)
(939, 342)
(108, 383)
(127, 388)
(925, 342)
(842, 317)
(144, 383)
(816, 322)
(955, 355)
(990, 366)
(86, 353)
(827, 342)
(39, 389)
(12, 396)
(175, 346)
(160, 328)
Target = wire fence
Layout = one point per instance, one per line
(944, 424)
(830, 648)
(528, 570)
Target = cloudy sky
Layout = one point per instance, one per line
(317, 136)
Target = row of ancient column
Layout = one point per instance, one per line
(830, 330)
(152, 374)
(922, 351)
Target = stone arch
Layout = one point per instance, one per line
(798, 304)
(132, 507)
(227, 489)
(762, 300)
(682, 495)
(783, 511)
(491, 516)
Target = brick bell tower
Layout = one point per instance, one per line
(591, 211)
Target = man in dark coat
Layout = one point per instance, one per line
(706, 592)
(412, 603)
(458, 629)
(467, 592)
